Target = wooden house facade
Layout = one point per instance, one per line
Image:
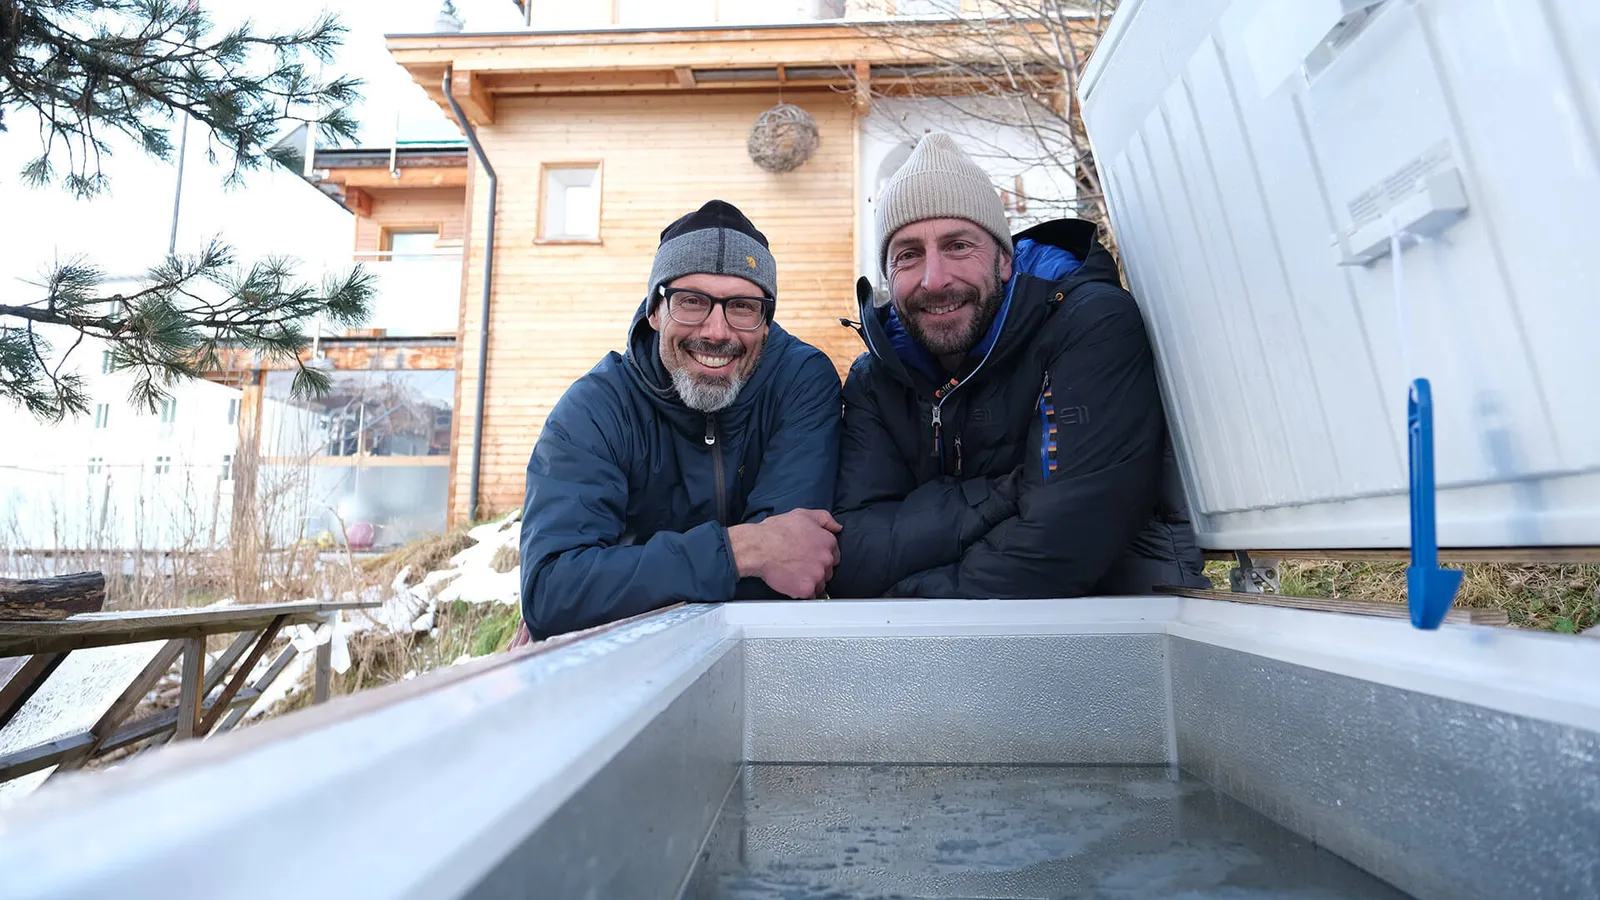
(598, 139)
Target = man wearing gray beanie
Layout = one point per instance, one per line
(698, 465)
(1003, 433)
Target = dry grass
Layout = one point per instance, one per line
(1549, 597)
(378, 658)
(505, 559)
(423, 556)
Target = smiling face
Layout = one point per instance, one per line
(711, 361)
(946, 280)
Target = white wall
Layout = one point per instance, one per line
(50, 498)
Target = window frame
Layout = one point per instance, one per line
(386, 233)
(544, 200)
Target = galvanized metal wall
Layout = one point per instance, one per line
(1246, 157)
(1441, 798)
(635, 829)
(1061, 699)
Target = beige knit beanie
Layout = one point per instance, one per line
(938, 181)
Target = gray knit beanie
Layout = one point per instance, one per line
(938, 181)
(715, 239)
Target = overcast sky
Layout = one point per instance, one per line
(274, 212)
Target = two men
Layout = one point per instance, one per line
(696, 466)
(1002, 437)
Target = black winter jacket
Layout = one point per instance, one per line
(1045, 473)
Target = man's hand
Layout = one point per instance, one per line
(794, 553)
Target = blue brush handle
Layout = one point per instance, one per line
(1429, 589)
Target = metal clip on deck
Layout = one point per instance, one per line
(1429, 589)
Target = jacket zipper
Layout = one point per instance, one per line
(716, 468)
(944, 393)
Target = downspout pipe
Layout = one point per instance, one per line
(483, 312)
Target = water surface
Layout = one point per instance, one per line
(801, 832)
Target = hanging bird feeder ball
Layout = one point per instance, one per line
(783, 138)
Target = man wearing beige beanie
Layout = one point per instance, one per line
(1003, 433)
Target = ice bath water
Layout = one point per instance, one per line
(802, 832)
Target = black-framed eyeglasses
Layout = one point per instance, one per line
(687, 306)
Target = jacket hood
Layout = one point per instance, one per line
(643, 365)
(1050, 260)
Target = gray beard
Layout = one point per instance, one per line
(706, 398)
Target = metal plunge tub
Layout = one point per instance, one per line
(1128, 747)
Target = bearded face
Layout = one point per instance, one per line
(709, 361)
(947, 280)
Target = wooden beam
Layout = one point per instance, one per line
(41, 756)
(194, 663)
(222, 665)
(1348, 607)
(783, 74)
(52, 598)
(323, 685)
(685, 76)
(410, 177)
(358, 201)
(1533, 556)
(239, 677)
(26, 679)
(123, 706)
(32, 759)
(259, 688)
(106, 629)
(474, 97)
(863, 94)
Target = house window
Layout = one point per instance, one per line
(233, 411)
(571, 202)
(227, 467)
(163, 465)
(102, 415)
(105, 362)
(411, 244)
(167, 409)
(97, 464)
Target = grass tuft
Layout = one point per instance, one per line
(1562, 598)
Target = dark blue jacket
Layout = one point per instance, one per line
(630, 493)
(1046, 472)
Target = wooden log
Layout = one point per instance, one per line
(52, 599)
(1349, 607)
